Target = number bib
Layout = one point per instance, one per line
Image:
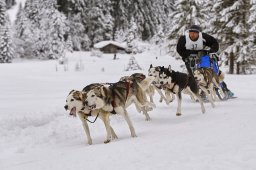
(194, 45)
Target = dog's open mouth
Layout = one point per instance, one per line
(73, 112)
(92, 107)
(198, 80)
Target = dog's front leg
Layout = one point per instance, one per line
(179, 97)
(105, 119)
(86, 127)
(201, 102)
(113, 134)
(162, 97)
(169, 96)
(208, 95)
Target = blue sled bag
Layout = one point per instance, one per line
(205, 62)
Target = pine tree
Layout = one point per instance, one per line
(2, 13)
(10, 3)
(23, 37)
(233, 30)
(131, 36)
(133, 65)
(58, 28)
(6, 50)
(252, 36)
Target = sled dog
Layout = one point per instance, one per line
(206, 78)
(137, 78)
(168, 97)
(116, 97)
(76, 106)
(176, 82)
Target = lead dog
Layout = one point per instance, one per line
(176, 82)
(76, 106)
(117, 97)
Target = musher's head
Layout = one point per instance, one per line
(194, 32)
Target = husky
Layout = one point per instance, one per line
(176, 82)
(117, 97)
(133, 80)
(76, 106)
(168, 97)
(206, 78)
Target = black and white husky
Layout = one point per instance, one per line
(176, 82)
(168, 97)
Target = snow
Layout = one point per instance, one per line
(37, 133)
(105, 43)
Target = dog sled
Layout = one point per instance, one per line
(205, 60)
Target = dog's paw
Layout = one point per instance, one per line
(178, 114)
(134, 135)
(107, 141)
(89, 142)
(147, 119)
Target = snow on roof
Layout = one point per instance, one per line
(105, 43)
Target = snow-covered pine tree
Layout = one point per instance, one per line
(131, 36)
(252, 37)
(98, 21)
(2, 13)
(32, 10)
(133, 65)
(47, 28)
(6, 49)
(10, 3)
(57, 28)
(234, 32)
(23, 37)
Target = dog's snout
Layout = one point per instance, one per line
(66, 107)
(161, 82)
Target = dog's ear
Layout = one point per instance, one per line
(170, 68)
(103, 91)
(78, 95)
(71, 92)
(84, 96)
(151, 66)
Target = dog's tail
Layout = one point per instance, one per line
(145, 84)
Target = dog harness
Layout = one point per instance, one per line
(90, 114)
(113, 102)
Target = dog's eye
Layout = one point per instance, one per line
(93, 95)
(72, 100)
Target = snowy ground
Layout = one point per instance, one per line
(37, 133)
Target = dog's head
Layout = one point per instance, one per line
(74, 102)
(165, 75)
(199, 76)
(94, 98)
(154, 72)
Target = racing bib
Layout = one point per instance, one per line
(194, 45)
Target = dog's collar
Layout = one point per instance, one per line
(89, 114)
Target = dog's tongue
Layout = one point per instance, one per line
(73, 111)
